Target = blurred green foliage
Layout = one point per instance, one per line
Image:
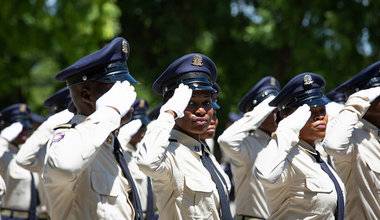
(247, 39)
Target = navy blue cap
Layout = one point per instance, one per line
(59, 101)
(215, 96)
(305, 88)
(153, 114)
(36, 118)
(335, 96)
(17, 113)
(140, 107)
(365, 79)
(108, 65)
(265, 87)
(195, 70)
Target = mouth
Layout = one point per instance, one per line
(200, 121)
(320, 126)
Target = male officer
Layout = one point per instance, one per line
(85, 174)
(243, 140)
(353, 141)
(130, 136)
(20, 199)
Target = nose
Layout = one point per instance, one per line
(200, 111)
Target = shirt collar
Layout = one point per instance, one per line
(189, 142)
(307, 147)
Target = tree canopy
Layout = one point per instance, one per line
(247, 39)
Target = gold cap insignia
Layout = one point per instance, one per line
(124, 47)
(272, 81)
(141, 103)
(22, 108)
(307, 80)
(197, 61)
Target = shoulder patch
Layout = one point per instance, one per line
(68, 126)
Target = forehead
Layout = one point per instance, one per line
(318, 108)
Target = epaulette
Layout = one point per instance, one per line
(173, 140)
(68, 126)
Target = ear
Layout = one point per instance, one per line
(87, 97)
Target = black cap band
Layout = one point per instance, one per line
(116, 71)
(195, 80)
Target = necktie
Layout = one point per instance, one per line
(340, 204)
(136, 199)
(150, 206)
(216, 176)
(33, 199)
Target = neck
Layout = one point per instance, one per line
(374, 119)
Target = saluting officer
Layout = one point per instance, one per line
(298, 183)
(85, 174)
(187, 180)
(353, 141)
(20, 200)
(243, 140)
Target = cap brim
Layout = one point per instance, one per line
(316, 102)
(215, 105)
(198, 87)
(112, 78)
(25, 123)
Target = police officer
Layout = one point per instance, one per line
(298, 184)
(243, 140)
(85, 174)
(130, 136)
(353, 141)
(20, 199)
(187, 180)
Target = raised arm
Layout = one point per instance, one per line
(231, 139)
(271, 161)
(337, 140)
(151, 157)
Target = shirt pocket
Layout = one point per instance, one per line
(197, 201)
(318, 196)
(104, 186)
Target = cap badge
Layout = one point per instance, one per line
(124, 47)
(272, 81)
(307, 80)
(197, 61)
(22, 108)
(141, 103)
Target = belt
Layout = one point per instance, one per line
(14, 213)
(246, 217)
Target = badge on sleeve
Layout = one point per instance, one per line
(58, 137)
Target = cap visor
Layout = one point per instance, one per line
(118, 77)
(316, 102)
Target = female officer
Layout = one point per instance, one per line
(186, 178)
(298, 184)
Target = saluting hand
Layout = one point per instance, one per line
(179, 101)
(12, 131)
(297, 120)
(121, 97)
(371, 94)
